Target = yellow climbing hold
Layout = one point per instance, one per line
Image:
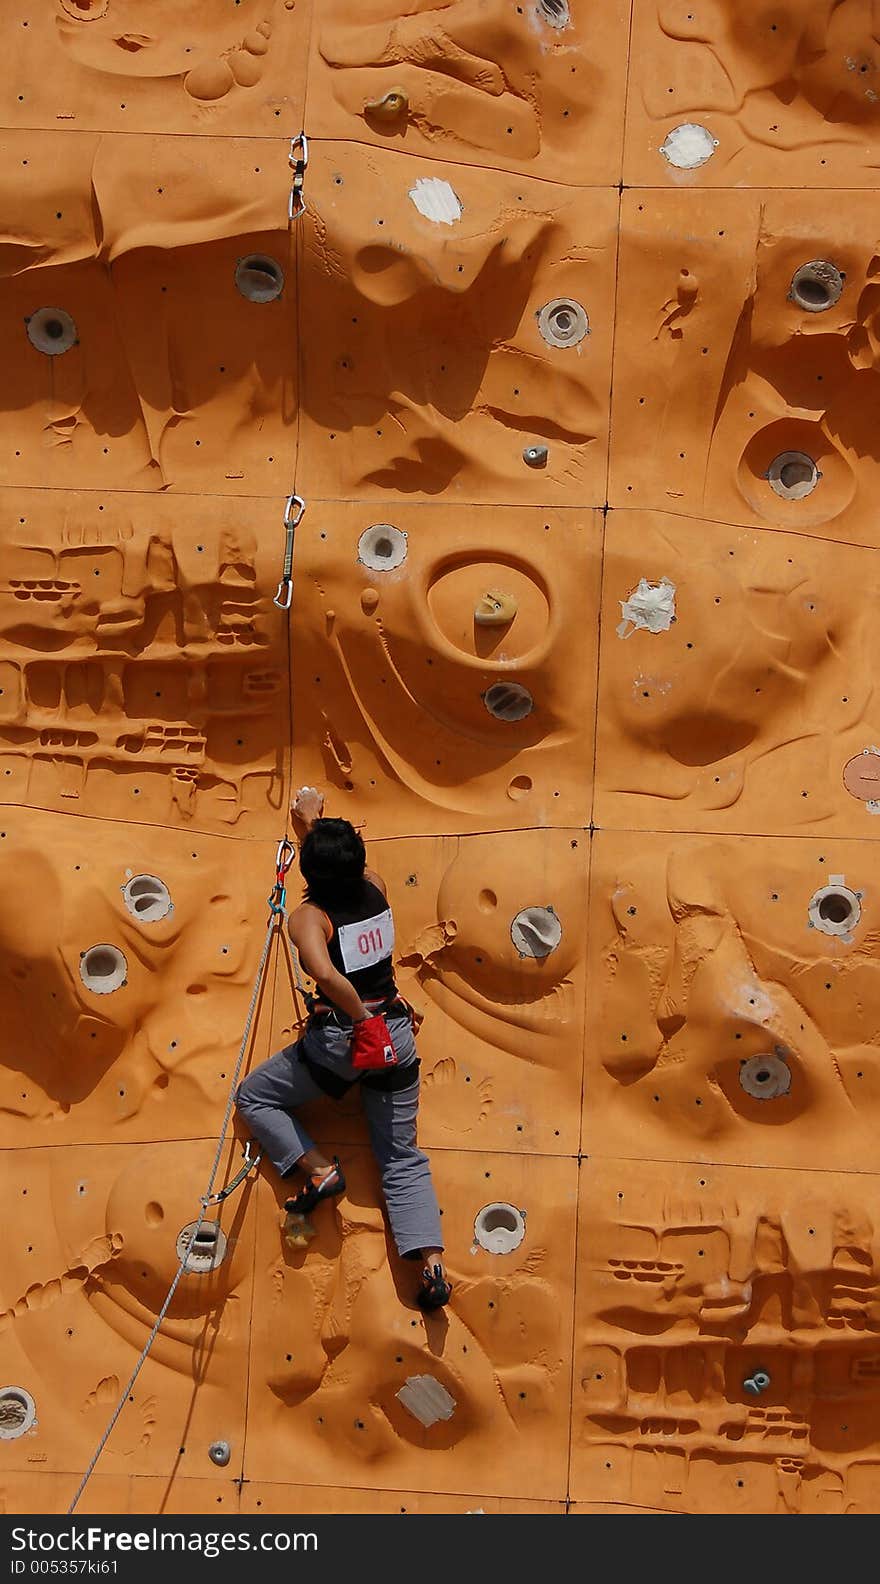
(297, 1230)
(391, 105)
(494, 609)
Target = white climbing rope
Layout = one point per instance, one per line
(299, 159)
(275, 917)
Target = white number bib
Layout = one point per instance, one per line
(366, 943)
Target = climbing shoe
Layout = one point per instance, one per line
(435, 1290)
(317, 1189)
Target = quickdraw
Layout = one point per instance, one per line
(249, 1164)
(293, 516)
(299, 159)
(277, 898)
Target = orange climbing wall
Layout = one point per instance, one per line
(573, 358)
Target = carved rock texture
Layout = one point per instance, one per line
(573, 356)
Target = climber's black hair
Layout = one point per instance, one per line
(332, 860)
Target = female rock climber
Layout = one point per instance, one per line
(359, 1031)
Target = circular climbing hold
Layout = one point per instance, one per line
(246, 68)
(536, 932)
(816, 286)
(382, 548)
(861, 777)
(555, 12)
(563, 322)
(765, 1077)
(536, 456)
(220, 1452)
(500, 1228)
(792, 475)
(85, 10)
(103, 969)
(494, 609)
(388, 106)
(51, 330)
(259, 278)
(209, 80)
(689, 145)
(147, 898)
(18, 1412)
(757, 1382)
(508, 701)
(834, 909)
(208, 1250)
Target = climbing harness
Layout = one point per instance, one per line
(299, 159)
(293, 515)
(277, 898)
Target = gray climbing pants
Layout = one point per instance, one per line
(267, 1098)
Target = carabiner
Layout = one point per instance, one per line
(298, 159)
(282, 862)
(293, 515)
(250, 1161)
(277, 902)
(297, 502)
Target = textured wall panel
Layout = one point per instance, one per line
(109, 65)
(151, 1056)
(418, 715)
(690, 1286)
(725, 364)
(174, 380)
(88, 1265)
(743, 709)
(460, 82)
(730, 1026)
(323, 1392)
(143, 667)
(788, 93)
(388, 290)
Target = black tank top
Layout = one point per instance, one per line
(362, 944)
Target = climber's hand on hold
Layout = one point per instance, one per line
(307, 806)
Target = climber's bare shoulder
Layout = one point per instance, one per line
(309, 924)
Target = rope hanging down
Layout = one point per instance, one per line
(277, 900)
(293, 512)
(298, 159)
